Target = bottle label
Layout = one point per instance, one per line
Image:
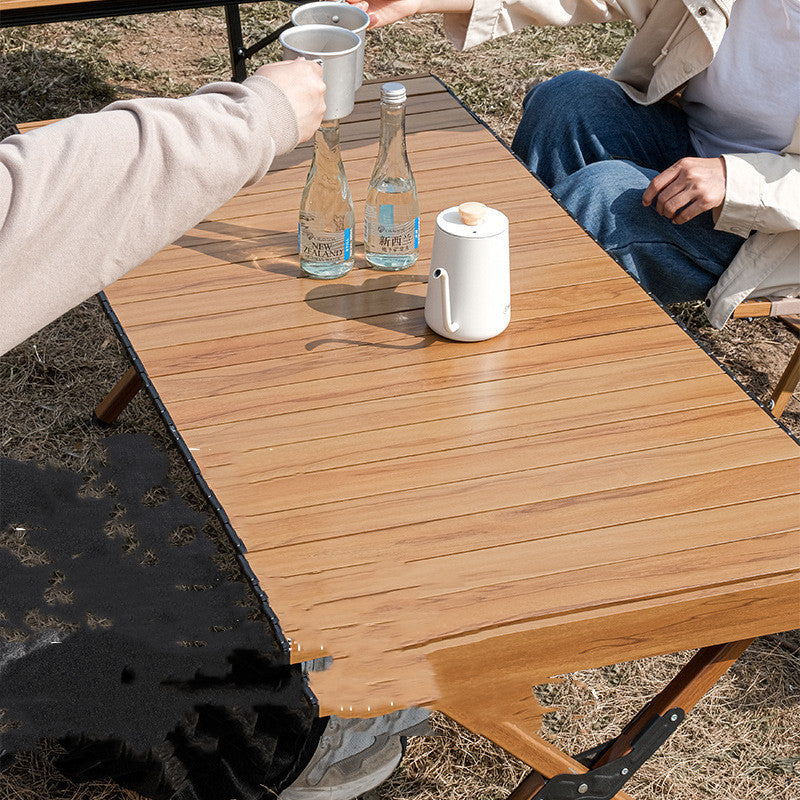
(391, 237)
(324, 245)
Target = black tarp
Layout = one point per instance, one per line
(122, 638)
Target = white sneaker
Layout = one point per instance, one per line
(355, 755)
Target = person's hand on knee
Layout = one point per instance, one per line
(689, 187)
(301, 82)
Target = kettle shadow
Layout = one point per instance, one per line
(367, 303)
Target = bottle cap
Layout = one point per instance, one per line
(394, 93)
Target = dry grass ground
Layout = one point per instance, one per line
(742, 742)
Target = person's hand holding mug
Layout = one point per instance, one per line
(301, 81)
(384, 12)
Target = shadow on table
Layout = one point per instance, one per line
(249, 248)
(375, 302)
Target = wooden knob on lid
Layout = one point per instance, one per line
(472, 213)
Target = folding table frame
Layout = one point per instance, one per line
(596, 774)
(600, 773)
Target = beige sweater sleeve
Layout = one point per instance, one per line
(86, 199)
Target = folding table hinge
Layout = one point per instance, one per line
(602, 783)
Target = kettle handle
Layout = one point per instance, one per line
(440, 274)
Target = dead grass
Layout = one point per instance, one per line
(33, 777)
(742, 742)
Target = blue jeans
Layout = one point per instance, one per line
(598, 151)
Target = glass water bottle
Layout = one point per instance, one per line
(327, 222)
(391, 218)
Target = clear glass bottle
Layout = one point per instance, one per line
(327, 223)
(391, 218)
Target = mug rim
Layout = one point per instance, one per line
(355, 41)
(300, 10)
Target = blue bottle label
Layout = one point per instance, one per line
(387, 236)
(386, 216)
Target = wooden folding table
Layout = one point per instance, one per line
(454, 523)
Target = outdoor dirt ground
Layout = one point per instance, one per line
(742, 742)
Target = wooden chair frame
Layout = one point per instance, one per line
(785, 310)
(599, 773)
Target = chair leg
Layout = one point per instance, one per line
(114, 403)
(786, 385)
(683, 692)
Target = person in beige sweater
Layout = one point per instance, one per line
(86, 199)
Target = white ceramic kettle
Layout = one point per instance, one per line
(469, 285)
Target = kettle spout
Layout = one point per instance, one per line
(440, 274)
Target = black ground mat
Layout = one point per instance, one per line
(121, 638)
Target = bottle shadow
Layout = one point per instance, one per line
(375, 302)
(262, 249)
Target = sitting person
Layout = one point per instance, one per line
(696, 194)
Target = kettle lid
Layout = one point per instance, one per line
(472, 221)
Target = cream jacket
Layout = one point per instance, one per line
(676, 40)
(85, 199)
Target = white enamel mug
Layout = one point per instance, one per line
(337, 50)
(339, 14)
(469, 286)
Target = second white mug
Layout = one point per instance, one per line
(339, 15)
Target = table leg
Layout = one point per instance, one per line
(684, 692)
(114, 403)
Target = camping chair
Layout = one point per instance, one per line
(787, 309)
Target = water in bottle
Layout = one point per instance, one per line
(391, 219)
(327, 222)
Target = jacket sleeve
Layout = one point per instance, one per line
(490, 19)
(86, 199)
(762, 193)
